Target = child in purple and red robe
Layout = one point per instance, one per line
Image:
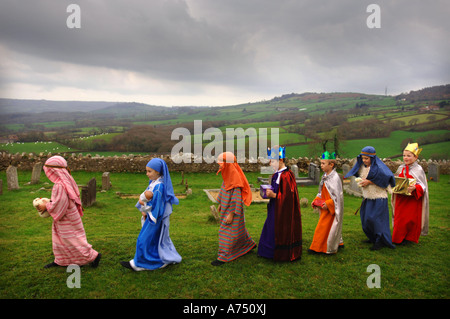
(281, 237)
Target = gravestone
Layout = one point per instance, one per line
(314, 173)
(214, 212)
(345, 169)
(36, 173)
(106, 181)
(89, 193)
(433, 172)
(354, 188)
(11, 178)
(294, 169)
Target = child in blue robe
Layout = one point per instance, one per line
(374, 211)
(154, 248)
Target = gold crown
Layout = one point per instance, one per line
(413, 148)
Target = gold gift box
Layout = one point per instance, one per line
(402, 184)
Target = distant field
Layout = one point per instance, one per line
(386, 147)
(35, 147)
(291, 114)
(88, 139)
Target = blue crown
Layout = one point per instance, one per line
(272, 153)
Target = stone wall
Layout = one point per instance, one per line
(133, 163)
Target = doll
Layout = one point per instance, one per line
(38, 201)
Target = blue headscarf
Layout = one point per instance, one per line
(379, 173)
(161, 167)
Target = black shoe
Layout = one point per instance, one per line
(126, 264)
(95, 263)
(217, 262)
(52, 264)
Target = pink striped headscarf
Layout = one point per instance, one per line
(57, 172)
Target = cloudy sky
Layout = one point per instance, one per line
(219, 52)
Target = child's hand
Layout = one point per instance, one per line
(42, 207)
(365, 182)
(144, 215)
(270, 193)
(229, 218)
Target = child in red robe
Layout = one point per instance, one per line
(410, 213)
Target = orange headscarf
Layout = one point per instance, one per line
(233, 176)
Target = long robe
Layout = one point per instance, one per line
(234, 239)
(328, 232)
(281, 236)
(410, 213)
(70, 245)
(154, 248)
(374, 210)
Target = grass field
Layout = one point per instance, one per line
(385, 147)
(35, 147)
(113, 223)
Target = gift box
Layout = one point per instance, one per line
(263, 189)
(318, 202)
(402, 184)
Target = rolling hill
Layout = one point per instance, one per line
(307, 122)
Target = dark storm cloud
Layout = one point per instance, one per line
(158, 37)
(259, 45)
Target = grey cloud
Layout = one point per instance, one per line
(259, 45)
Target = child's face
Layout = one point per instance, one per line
(152, 174)
(326, 166)
(408, 157)
(366, 160)
(276, 164)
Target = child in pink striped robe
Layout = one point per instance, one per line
(70, 246)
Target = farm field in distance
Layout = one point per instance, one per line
(307, 123)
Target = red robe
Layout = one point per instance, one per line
(408, 214)
(288, 224)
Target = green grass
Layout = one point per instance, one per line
(112, 225)
(385, 147)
